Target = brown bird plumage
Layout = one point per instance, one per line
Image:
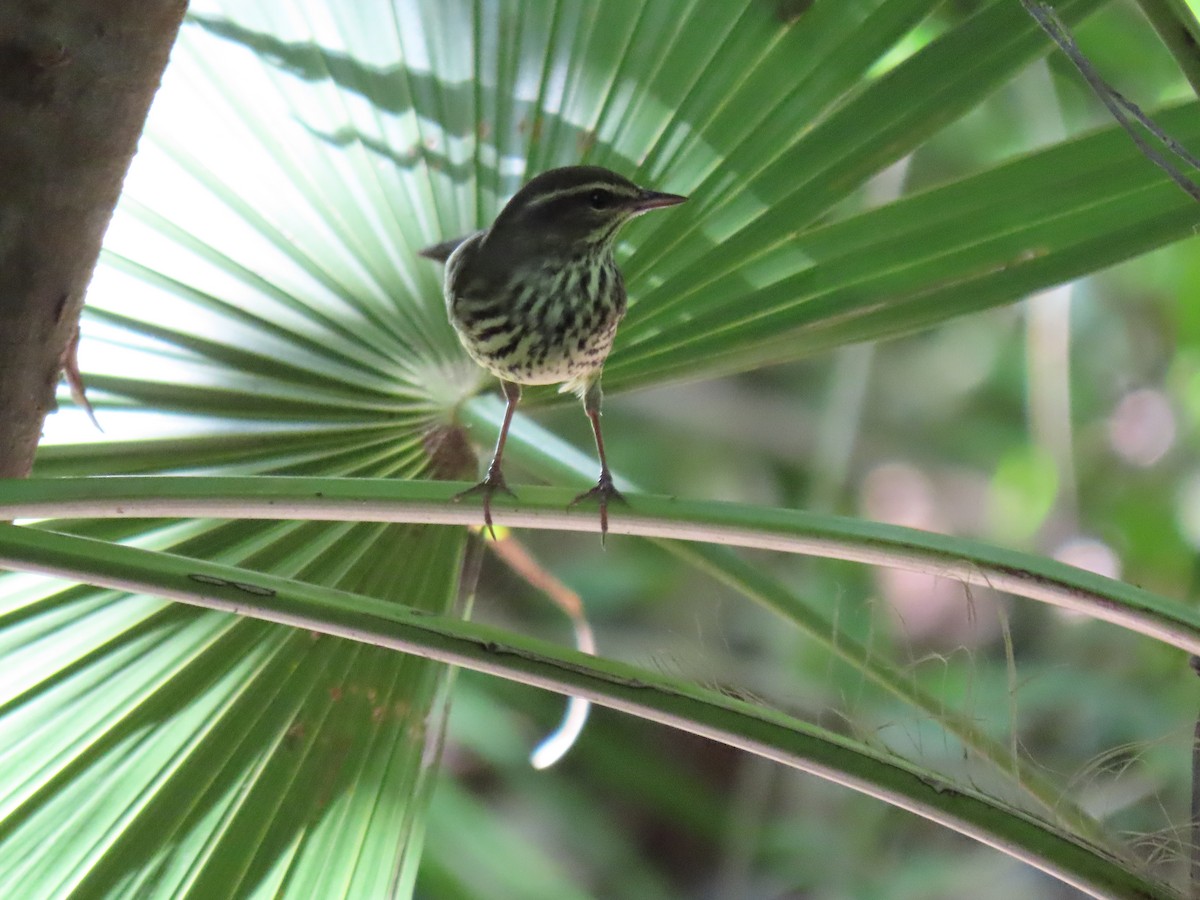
(537, 297)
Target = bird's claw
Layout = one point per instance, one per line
(492, 482)
(602, 492)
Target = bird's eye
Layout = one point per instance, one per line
(600, 199)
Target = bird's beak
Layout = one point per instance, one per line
(648, 200)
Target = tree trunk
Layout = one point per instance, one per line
(76, 81)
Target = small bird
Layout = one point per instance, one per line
(536, 298)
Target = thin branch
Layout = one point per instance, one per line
(650, 695)
(1117, 105)
(788, 531)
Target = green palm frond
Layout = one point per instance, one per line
(259, 310)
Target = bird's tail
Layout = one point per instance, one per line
(441, 252)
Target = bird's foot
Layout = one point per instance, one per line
(492, 482)
(603, 492)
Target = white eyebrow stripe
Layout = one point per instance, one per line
(618, 189)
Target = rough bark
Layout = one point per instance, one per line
(76, 81)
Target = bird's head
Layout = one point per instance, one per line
(574, 209)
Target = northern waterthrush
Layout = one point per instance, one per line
(536, 298)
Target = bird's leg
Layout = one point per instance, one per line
(494, 479)
(604, 490)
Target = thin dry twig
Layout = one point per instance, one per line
(1122, 108)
